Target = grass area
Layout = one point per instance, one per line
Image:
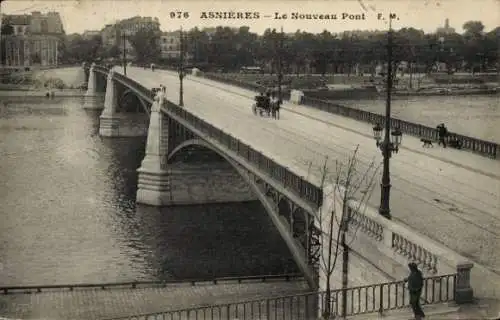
(61, 78)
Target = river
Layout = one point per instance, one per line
(68, 212)
(475, 115)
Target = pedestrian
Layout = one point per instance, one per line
(415, 285)
(442, 133)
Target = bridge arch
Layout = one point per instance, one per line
(270, 201)
(130, 102)
(271, 208)
(284, 209)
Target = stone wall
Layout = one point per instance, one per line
(124, 125)
(200, 183)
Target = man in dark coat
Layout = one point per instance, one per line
(442, 133)
(415, 285)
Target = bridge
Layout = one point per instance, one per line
(445, 201)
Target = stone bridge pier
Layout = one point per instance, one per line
(124, 114)
(178, 170)
(96, 88)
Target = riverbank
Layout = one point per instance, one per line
(445, 92)
(41, 93)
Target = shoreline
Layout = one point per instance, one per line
(42, 93)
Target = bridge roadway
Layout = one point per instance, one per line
(86, 304)
(449, 195)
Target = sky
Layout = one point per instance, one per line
(427, 15)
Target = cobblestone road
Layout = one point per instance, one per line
(102, 304)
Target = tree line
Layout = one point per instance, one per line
(301, 52)
(231, 49)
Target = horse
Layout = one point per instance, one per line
(275, 109)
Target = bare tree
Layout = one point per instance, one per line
(348, 181)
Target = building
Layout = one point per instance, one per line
(446, 29)
(32, 40)
(89, 34)
(170, 46)
(115, 34)
(109, 35)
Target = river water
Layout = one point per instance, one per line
(68, 212)
(475, 115)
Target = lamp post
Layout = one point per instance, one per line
(124, 52)
(391, 141)
(1, 58)
(280, 65)
(181, 70)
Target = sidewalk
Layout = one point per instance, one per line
(445, 311)
(98, 304)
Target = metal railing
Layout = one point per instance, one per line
(148, 284)
(482, 147)
(299, 186)
(479, 146)
(360, 300)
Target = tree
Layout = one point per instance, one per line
(348, 180)
(473, 40)
(6, 30)
(78, 49)
(232, 48)
(111, 52)
(145, 43)
(492, 48)
(473, 27)
(197, 44)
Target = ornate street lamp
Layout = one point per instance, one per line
(280, 65)
(181, 70)
(391, 140)
(124, 40)
(395, 138)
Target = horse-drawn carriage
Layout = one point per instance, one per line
(266, 105)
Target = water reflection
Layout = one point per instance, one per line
(69, 215)
(224, 240)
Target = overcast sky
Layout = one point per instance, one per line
(422, 14)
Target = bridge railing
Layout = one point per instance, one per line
(359, 300)
(146, 92)
(300, 186)
(479, 146)
(482, 147)
(289, 180)
(147, 284)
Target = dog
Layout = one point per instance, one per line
(455, 143)
(427, 143)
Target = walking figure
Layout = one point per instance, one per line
(415, 285)
(274, 104)
(442, 134)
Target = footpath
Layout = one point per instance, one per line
(97, 303)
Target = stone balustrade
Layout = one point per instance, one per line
(390, 245)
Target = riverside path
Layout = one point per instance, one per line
(114, 302)
(449, 195)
